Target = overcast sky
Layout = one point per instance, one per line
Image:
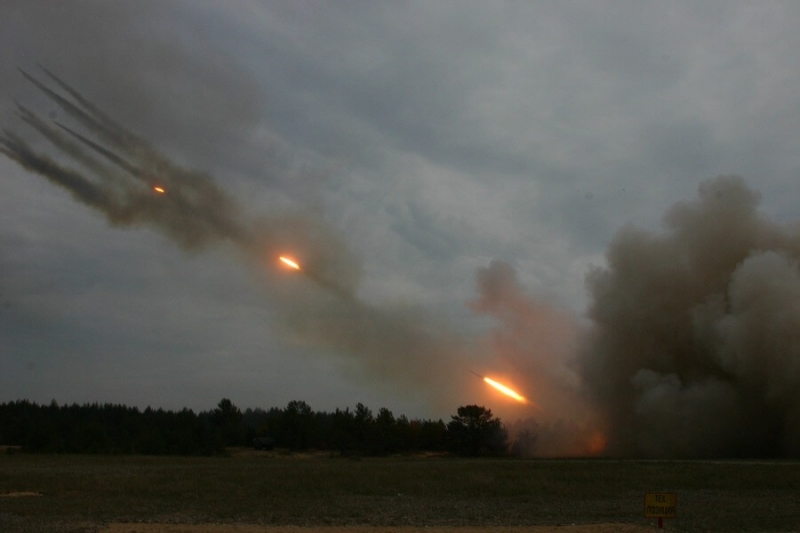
(440, 145)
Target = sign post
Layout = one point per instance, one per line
(660, 505)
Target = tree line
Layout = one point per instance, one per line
(119, 429)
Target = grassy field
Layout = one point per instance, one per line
(80, 493)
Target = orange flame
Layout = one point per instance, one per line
(158, 189)
(597, 443)
(505, 390)
(289, 262)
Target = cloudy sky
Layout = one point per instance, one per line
(435, 153)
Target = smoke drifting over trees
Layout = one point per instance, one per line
(695, 344)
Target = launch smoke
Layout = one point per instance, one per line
(695, 345)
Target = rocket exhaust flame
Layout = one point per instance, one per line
(505, 390)
(511, 393)
(159, 190)
(289, 263)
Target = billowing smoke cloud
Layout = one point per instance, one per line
(116, 173)
(695, 343)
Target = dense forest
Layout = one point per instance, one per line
(118, 429)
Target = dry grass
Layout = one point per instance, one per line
(80, 493)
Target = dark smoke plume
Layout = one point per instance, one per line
(695, 342)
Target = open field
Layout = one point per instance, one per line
(59, 493)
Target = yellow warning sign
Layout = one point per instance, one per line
(660, 505)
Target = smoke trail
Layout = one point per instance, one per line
(695, 344)
(116, 175)
(81, 188)
(194, 214)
